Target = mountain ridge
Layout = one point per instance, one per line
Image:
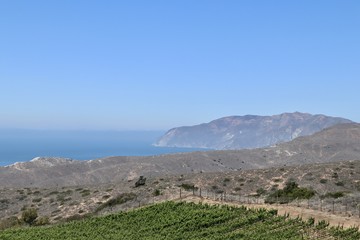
(248, 131)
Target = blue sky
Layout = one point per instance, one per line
(153, 65)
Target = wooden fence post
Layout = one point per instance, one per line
(320, 205)
(346, 208)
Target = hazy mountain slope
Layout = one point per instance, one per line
(239, 132)
(341, 142)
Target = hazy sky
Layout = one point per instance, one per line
(150, 65)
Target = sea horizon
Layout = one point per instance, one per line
(25, 145)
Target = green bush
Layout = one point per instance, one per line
(29, 215)
(290, 192)
(334, 195)
(322, 224)
(156, 192)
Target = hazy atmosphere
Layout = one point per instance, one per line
(153, 65)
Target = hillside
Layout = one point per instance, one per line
(171, 220)
(247, 132)
(73, 202)
(341, 142)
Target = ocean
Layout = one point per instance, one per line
(24, 145)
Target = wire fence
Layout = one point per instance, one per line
(346, 206)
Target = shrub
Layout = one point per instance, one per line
(156, 192)
(61, 198)
(260, 191)
(4, 201)
(276, 180)
(290, 192)
(322, 224)
(20, 191)
(323, 181)
(227, 180)
(188, 186)
(311, 221)
(335, 175)
(219, 191)
(241, 180)
(120, 199)
(334, 195)
(52, 193)
(42, 221)
(37, 200)
(29, 215)
(340, 184)
(21, 197)
(85, 192)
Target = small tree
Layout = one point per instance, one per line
(29, 215)
(290, 192)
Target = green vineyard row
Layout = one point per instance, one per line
(171, 220)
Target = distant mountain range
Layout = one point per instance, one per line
(338, 143)
(248, 132)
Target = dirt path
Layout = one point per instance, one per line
(333, 220)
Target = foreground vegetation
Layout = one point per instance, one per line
(172, 220)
